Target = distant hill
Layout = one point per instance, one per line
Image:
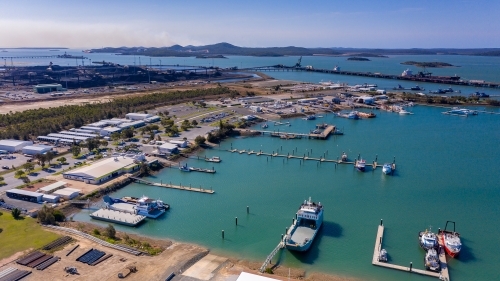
(229, 49)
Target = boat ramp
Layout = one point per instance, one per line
(170, 185)
(120, 217)
(443, 275)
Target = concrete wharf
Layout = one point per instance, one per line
(443, 275)
(170, 185)
(427, 79)
(287, 135)
(120, 217)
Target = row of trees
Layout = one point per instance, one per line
(35, 122)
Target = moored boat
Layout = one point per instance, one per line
(360, 165)
(264, 126)
(431, 260)
(305, 227)
(344, 157)
(382, 255)
(215, 159)
(450, 240)
(427, 239)
(143, 206)
(460, 111)
(402, 111)
(387, 168)
(366, 115)
(184, 168)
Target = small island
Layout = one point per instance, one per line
(211, 57)
(428, 64)
(358, 59)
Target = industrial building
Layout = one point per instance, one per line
(167, 148)
(137, 116)
(245, 276)
(36, 149)
(13, 145)
(67, 193)
(179, 143)
(20, 194)
(104, 170)
(50, 198)
(52, 187)
(47, 88)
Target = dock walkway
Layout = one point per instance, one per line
(378, 246)
(280, 246)
(170, 185)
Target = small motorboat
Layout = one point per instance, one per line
(353, 115)
(344, 157)
(264, 126)
(215, 159)
(185, 168)
(387, 168)
(431, 260)
(427, 240)
(451, 240)
(404, 112)
(382, 256)
(360, 165)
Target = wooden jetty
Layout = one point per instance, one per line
(443, 275)
(170, 185)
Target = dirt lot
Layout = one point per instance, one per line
(148, 268)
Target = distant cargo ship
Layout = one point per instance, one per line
(66, 56)
(304, 229)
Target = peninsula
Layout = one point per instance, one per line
(358, 59)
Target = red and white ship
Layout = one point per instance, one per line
(450, 240)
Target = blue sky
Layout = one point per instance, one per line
(352, 23)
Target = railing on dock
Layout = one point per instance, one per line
(280, 246)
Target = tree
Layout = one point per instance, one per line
(144, 169)
(28, 167)
(194, 123)
(19, 173)
(104, 143)
(75, 150)
(61, 160)
(49, 156)
(46, 215)
(92, 144)
(200, 140)
(110, 231)
(2, 179)
(115, 136)
(16, 213)
(128, 133)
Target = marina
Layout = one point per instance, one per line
(444, 275)
(322, 134)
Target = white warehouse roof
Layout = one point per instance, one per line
(52, 187)
(244, 276)
(101, 168)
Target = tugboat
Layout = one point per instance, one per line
(387, 168)
(427, 239)
(431, 260)
(360, 165)
(185, 168)
(382, 255)
(304, 229)
(450, 240)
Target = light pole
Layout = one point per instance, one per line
(160, 65)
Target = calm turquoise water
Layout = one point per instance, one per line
(446, 171)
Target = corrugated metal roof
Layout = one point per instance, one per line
(25, 192)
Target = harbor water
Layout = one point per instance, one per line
(446, 170)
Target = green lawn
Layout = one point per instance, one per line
(20, 235)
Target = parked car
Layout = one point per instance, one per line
(78, 163)
(5, 167)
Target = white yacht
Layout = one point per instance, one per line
(427, 239)
(387, 168)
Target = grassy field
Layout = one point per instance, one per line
(20, 235)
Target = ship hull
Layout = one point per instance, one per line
(303, 247)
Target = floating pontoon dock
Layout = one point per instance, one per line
(443, 275)
(170, 185)
(125, 218)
